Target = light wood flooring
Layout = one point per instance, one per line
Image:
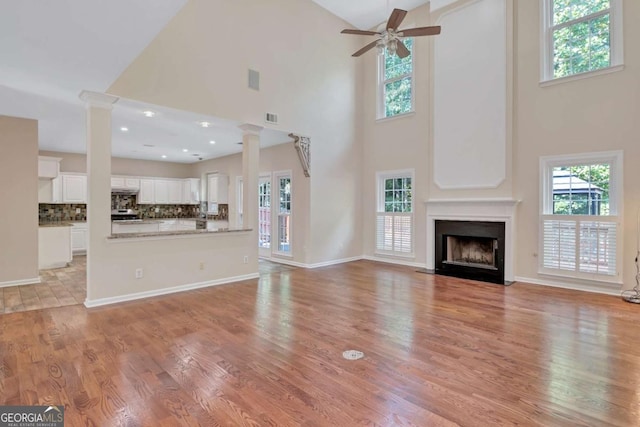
(439, 351)
(59, 287)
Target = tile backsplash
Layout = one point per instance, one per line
(66, 212)
(58, 212)
(120, 201)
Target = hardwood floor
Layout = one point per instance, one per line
(439, 351)
(59, 287)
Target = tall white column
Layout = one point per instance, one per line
(250, 177)
(99, 106)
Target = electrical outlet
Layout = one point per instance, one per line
(157, 210)
(78, 210)
(139, 273)
(202, 266)
(246, 259)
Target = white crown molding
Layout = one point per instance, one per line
(97, 99)
(505, 201)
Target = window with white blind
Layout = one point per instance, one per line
(581, 204)
(394, 220)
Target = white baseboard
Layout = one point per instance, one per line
(166, 291)
(598, 289)
(20, 282)
(311, 266)
(394, 261)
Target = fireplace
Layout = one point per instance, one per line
(470, 249)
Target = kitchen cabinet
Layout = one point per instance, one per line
(161, 189)
(133, 227)
(74, 188)
(146, 196)
(191, 191)
(54, 247)
(217, 191)
(217, 224)
(168, 225)
(175, 191)
(125, 183)
(186, 224)
(79, 238)
(48, 167)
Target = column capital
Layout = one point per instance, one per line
(97, 99)
(250, 129)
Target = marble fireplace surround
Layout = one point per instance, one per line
(494, 210)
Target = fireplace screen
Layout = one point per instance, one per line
(476, 252)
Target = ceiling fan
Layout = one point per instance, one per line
(391, 37)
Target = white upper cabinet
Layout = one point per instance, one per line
(74, 188)
(218, 189)
(48, 167)
(175, 191)
(124, 182)
(146, 196)
(191, 191)
(161, 188)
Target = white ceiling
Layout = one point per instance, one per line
(52, 50)
(366, 14)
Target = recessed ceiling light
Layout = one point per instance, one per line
(149, 113)
(205, 124)
(124, 129)
(164, 156)
(149, 145)
(184, 150)
(212, 142)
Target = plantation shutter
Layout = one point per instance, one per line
(581, 246)
(393, 233)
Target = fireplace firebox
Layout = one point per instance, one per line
(470, 250)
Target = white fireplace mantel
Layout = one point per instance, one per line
(494, 210)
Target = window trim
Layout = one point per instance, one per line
(616, 53)
(547, 163)
(380, 101)
(276, 214)
(381, 176)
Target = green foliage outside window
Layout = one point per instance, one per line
(588, 193)
(581, 46)
(398, 81)
(397, 195)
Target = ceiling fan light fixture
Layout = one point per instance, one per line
(380, 46)
(392, 47)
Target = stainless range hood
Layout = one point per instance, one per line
(124, 191)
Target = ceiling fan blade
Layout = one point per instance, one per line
(421, 31)
(396, 18)
(360, 32)
(401, 50)
(366, 48)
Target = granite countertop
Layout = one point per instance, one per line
(151, 220)
(118, 236)
(55, 224)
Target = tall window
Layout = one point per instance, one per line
(395, 93)
(394, 223)
(239, 201)
(283, 182)
(580, 36)
(580, 215)
(264, 213)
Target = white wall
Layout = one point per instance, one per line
(19, 196)
(308, 78)
(594, 114)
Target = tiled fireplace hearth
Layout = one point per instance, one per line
(471, 238)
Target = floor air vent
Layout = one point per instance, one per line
(353, 355)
